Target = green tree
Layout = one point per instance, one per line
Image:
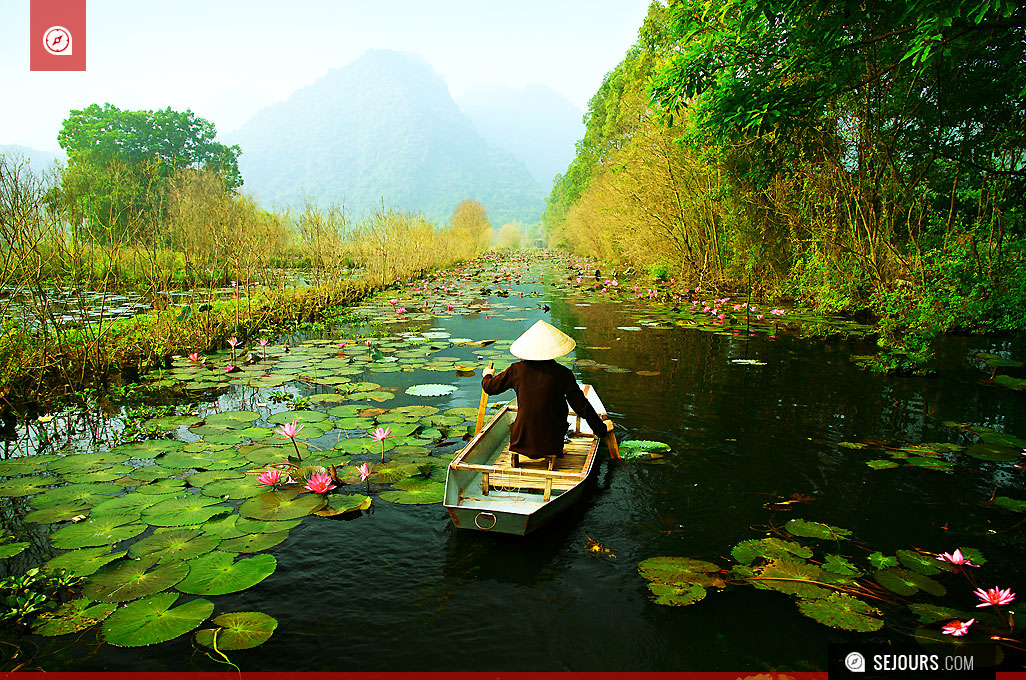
(120, 164)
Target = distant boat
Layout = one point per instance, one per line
(484, 491)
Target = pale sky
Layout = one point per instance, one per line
(227, 59)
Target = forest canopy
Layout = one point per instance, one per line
(851, 156)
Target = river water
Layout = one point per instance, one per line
(400, 589)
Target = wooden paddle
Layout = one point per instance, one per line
(482, 407)
(614, 448)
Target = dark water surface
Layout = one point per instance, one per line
(400, 589)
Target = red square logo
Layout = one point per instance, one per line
(58, 35)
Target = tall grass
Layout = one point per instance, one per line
(206, 240)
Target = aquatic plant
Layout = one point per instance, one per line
(290, 430)
(320, 483)
(380, 435)
(834, 589)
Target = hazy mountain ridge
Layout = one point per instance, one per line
(537, 124)
(40, 161)
(381, 129)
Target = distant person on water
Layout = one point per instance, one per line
(544, 388)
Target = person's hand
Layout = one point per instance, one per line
(487, 372)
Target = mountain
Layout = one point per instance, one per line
(536, 123)
(382, 129)
(39, 161)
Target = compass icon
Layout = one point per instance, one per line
(57, 41)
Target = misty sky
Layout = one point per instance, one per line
(226, 59)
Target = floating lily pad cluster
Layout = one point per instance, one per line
(997, 363)
(988, 445)
(834, 581)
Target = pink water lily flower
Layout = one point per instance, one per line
(367, 342)
(233, 341)
(957, 628)
(777, 312)
(956, 558)
(289, 430)
(229, 368)
(400, 310)
(194, 356)
(380, 434)
(320, 483)
(365, 471)
(994, 596)
(262, 342)
(269, 478)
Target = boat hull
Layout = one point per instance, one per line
(485, 492)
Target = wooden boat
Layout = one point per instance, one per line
(484, 491)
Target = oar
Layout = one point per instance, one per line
(614, 448)
(482, 407)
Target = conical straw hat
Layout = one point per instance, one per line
(542, 341)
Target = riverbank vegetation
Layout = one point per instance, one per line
(138, 209)
(866, 158)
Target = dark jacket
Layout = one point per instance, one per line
(543, 390)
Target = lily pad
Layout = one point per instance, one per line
(635, 448)
(128, 504)
(840, 610)
(152, 620)
(238, 630)
(881, 561)
(301, 417)
(218, 573)
(415, 491)
(907, 582)
(747, 552)
(133, 579)
(254, 542)
(103, 530)
(25, 486)
(1013, 504)
(177, 544)
(189, 509)
(57, 513)
(235, 489)
(280, 505)
(84, 561)
(430, 390)
(791, 577)
(72, 617)
(801, 527)
(257, 526)
(233, 419)
(927, 565)
(340, 503)
(932, 613)
(8, 550)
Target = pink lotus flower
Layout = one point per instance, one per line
(777, 312)
(289, 430)
(194, 356)
(320, 483)
(262, 342)
(956, 558)
(380, 434)
(342, 345)
(957, 628)
(233, 341)
(229, 368)
(400, 310)
(393, 302)
(269, 478)
(365, 471)
(450, 306)
(994, 596)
